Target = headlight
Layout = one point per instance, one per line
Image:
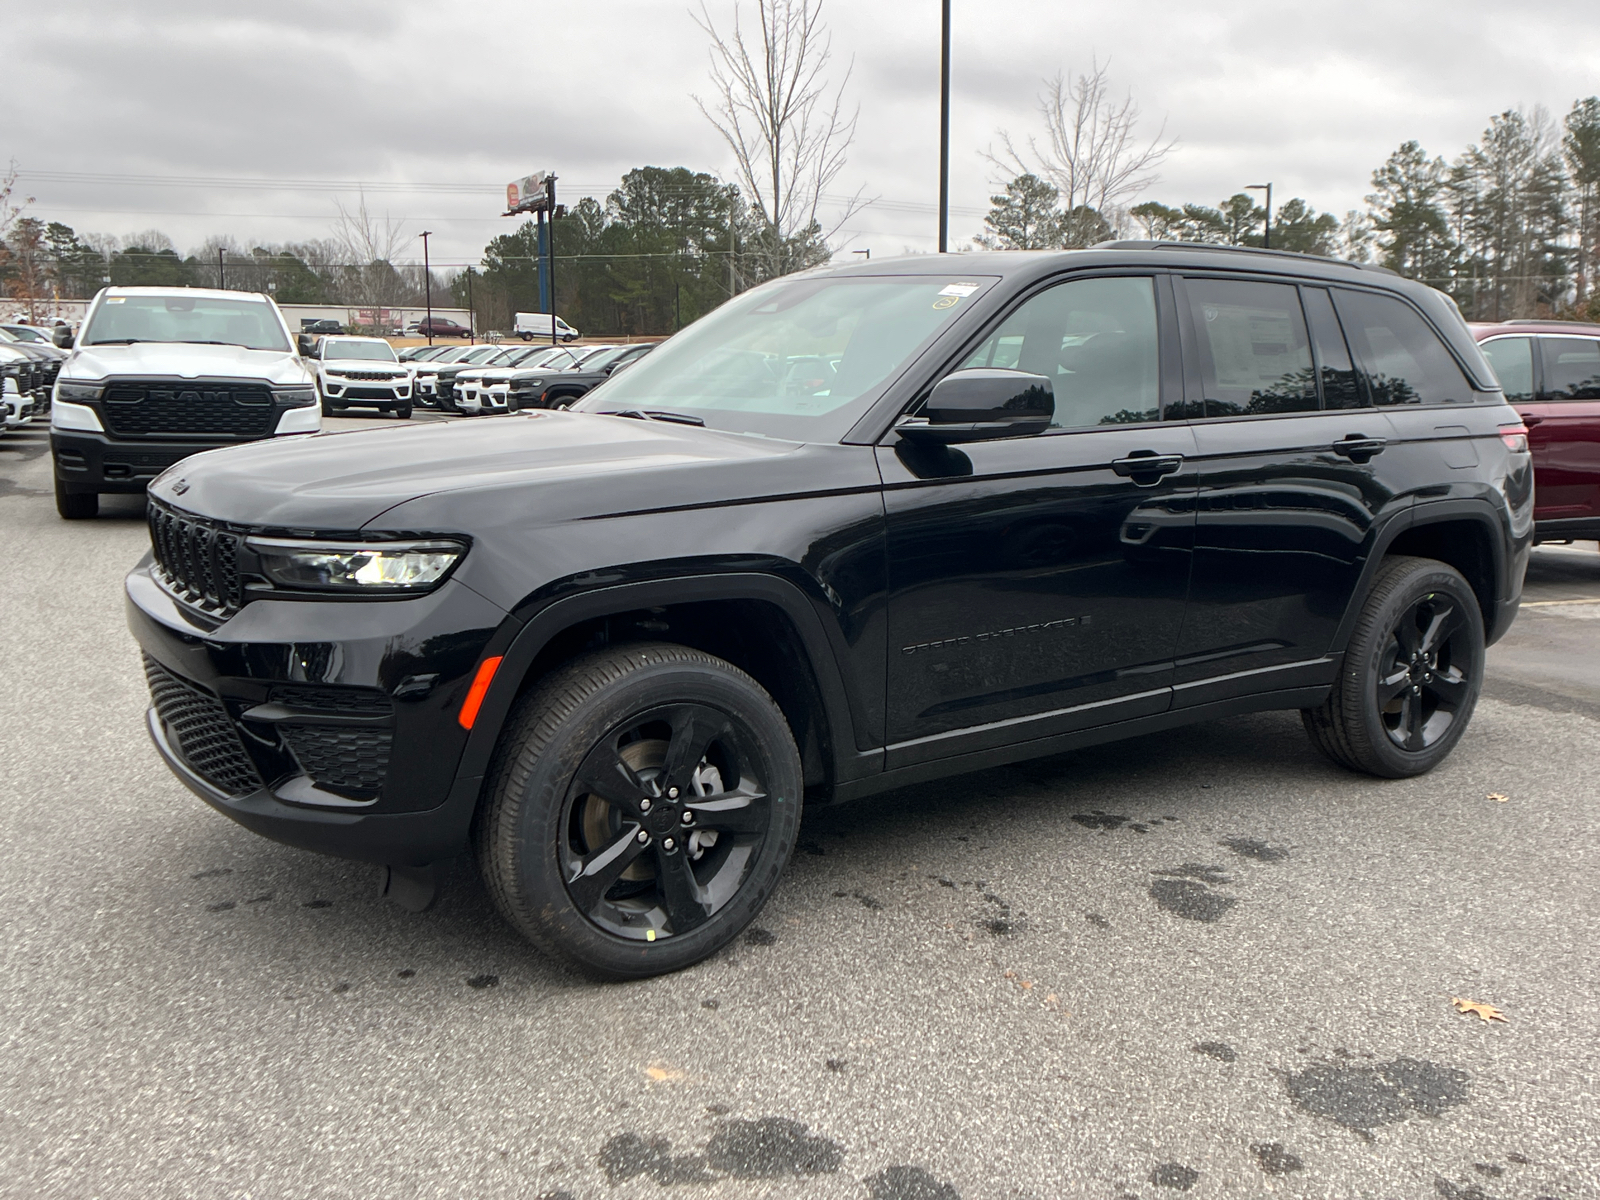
(296, 395)
(401, 567)
(77, 391)
(527, 383)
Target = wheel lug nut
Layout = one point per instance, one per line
(643, 837)
(688, 818)
(672, 793)
(644, 805)
(667, 843)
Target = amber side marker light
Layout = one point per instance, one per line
(475, 694)
(1515, 437)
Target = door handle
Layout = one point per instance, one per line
(1146, 467)
(1530, 422)
(1358, 448)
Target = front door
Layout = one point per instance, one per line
(1037, 584)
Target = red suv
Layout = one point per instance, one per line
(441, 327)
(1551, 374)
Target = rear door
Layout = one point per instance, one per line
(1292, 481)
(1564, 429)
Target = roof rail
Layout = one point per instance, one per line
(1146, 245)
(1550, 321)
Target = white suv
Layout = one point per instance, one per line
(362, 372)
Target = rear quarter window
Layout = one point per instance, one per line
(1401, 358)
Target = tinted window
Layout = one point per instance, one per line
(1571, 368)
(1254, 354)
(1402, 359)
(1340, 386)
(1095, 339)
(1512, 360)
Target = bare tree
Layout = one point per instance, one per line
(789, 140)
(10, 210)
(1091, 153)
(369, 244)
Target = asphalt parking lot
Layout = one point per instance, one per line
(1205, 963)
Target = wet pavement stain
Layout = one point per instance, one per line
(1254, 848)
(770, 1148)
(1200, 871)
(1220, 1051)
(1450, 1191)
(1098, 921)
(1363, 1098)
(1174, 1175)
(760, 937)
(1275, 1160)
(838, 1064)
(1189, 900)
(908, 1183)
(213, 873)
(1103, 821)
(222, 906)
(627, 1156)
(317, 904)
(484, 981)
(1490, 1169)
(867, 901)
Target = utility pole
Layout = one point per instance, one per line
(427, 281)
(472, 315)
(944, 135)
(550, 248)
(1266, 236)
(222, 272)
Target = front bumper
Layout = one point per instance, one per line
(93, 462)
(316, 723)
(342, 391)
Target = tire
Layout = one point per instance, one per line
(1410, 676)
(329, 410)
(527, 337)
(639, 909)
(402, 412)
(76, 506)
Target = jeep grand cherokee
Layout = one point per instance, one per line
(857, 528)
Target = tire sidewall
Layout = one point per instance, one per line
(1394, 761)
(546, 911)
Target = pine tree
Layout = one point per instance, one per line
(1413, 235)
(1025, 217)
(1580, 147)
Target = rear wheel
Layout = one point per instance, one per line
(641, 805)
(76, 506)
(1411, 674)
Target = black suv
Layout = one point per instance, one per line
(857, 528)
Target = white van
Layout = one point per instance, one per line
(537, 325)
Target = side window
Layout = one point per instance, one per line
(1403, 360)
(1340, 386)
(1571, 368)
(1512, 360)
(1254, 354)
(1096, 341)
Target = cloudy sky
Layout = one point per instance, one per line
(199, 118)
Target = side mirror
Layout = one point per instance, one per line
(307, 347)
(982, 403)
(62, 337)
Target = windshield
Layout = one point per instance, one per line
(21, 333)
(451, 355)
(342, 348)
(185, 317)
(797, 358)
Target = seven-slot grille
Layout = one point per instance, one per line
(384, 376)
(196, 559)
(201, 731)
(134, 407)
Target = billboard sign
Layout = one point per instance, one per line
(527, 194)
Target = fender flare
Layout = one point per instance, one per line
(526, 643)
(1433, 512)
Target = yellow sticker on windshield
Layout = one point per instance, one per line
(947, 301)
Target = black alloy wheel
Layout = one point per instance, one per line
(642, 804)
(1410, 676)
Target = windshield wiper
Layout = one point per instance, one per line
(116, 341)
(654, 414)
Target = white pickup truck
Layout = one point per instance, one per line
(158, 374)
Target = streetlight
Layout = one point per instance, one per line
(1266, 236)
(472, 323)
(427, 281)
(868, 253)
(944, 134)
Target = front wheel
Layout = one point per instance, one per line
(641, 806)
(76, 506)
(1410, 676)
(402, 412)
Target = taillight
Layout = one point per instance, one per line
(1515, 437)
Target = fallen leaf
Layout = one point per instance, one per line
(1500, 796)
(1487, 1011)
(1051, 998)
(1026, 985)
(661, 1073)
(1011, 975)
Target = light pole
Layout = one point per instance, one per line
(472, 323)
(944, 133)
(1266, 236)
(427, 281)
